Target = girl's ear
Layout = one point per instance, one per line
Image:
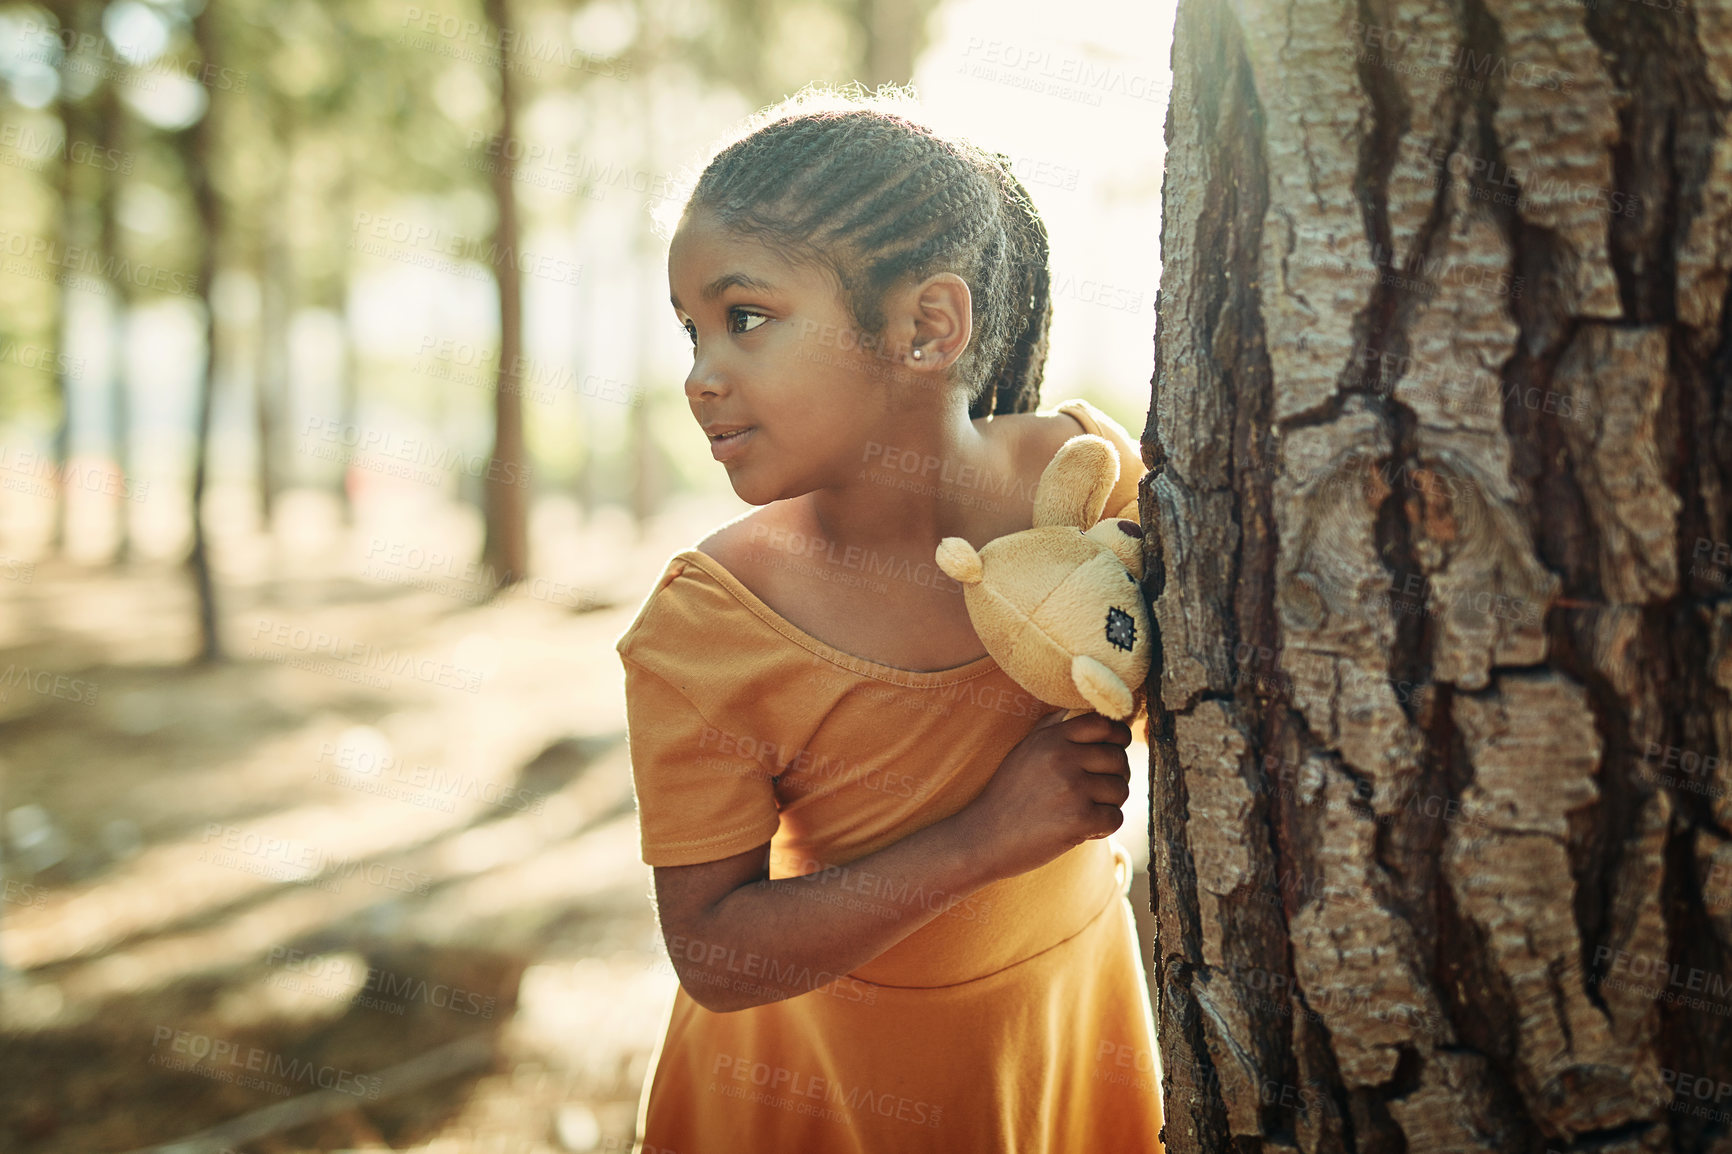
(936, 317)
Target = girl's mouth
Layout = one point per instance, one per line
(730, 444)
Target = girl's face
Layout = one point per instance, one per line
(778, 381)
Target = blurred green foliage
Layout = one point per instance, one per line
(325, 109)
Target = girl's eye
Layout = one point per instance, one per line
(736, 316)
(691, 331)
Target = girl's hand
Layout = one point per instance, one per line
(1060, 786)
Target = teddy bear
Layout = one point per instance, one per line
(1060, 606)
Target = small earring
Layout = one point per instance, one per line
(917, 354)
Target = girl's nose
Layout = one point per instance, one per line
(704, 380)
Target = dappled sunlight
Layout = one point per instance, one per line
(233, 863)
(318, 990)
(285, 866)
(594, 1015)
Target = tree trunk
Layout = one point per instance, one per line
(271, 365)
(67, 238)
(894, 33)
(646, 465)
(198, 150)
(68, 188)
(505, 550)
(645, 454)
(583, 482)
(1440, 447)
(349, 365)
(114, 139)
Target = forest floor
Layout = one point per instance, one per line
(372, 883)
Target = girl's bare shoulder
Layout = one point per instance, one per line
(732, 545)
(1033, 438)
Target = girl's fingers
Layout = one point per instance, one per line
(1106, 789)
(1108, 760)
(1095, 728)
(1112, 817)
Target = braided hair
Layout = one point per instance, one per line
(850, 184)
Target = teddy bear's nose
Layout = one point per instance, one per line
(1130, 528)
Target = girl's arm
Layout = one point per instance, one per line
(738, 939)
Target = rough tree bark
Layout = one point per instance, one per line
(1440, 446)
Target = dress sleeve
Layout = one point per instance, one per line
(1131, 468)
(703, 793)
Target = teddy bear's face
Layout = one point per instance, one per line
(1053, 593)
(1098, 611)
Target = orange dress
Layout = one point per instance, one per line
(1016, 1021)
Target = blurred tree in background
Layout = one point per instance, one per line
(195, 199)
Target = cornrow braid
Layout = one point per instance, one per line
(1016, 388)
(850, 184)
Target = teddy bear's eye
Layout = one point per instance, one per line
(1121, 629)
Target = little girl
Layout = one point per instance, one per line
(879, 863)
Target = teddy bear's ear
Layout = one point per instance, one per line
(1073, 490)
(1103, 688)
(960, 560)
